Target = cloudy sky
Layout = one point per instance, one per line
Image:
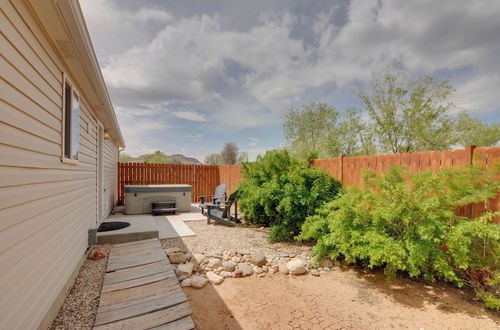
(187, 76)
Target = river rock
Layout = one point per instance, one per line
(195, 282)
(228, 266)
(314, 272)
(296, 266)
(177, 257)
(246, 269)
(258, 259)
(197, 259)
(214, 278)
(283, 268)
(214, 263)
(184, 269)
(326, 262)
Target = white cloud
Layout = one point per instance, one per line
(189, 115)
(137, 133)
(477, 94)
(186, 54)
(253, 141)
(154, 59)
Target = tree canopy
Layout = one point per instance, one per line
(306, 130)
(409, 115)
(213, 159)
(472, 131)
(399, 115)
(229, 155)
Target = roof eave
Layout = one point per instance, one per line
(64, 23)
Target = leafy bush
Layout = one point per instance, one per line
(408, 222)
(280, 192)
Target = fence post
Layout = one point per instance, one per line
(341, 159)
(469, 154)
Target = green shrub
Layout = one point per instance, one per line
(404, 222)
(280, 192)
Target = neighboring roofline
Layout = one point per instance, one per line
(64, 23)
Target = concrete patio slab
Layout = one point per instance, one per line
(146, 226)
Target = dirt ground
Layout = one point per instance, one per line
(343, 299)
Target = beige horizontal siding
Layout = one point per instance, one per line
(110, 175)
(46, 206)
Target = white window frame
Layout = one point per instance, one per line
(64, 159)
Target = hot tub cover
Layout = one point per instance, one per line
(158, 188)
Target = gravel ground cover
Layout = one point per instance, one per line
(213, 239)
(80, 306)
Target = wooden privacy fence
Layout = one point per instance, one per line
(349, 170)
(204, 178)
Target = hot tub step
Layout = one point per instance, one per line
(164, 210)
(163, 203)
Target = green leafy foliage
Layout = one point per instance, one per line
(472, 131)
(408, 222)
(280, 192)
(409, 115)
(306, 130)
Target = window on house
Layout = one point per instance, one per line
(71, 115)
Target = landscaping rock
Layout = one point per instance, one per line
(177, 257)
(186, 282)
(197, 259)
(272, 271)
(214, 263)
(323, 272)
(296, 266)
(258, 259)
(257, 270)
(184, 269)
(228, 266)
(238, 272)
(195, 282)
(314, 272)
(243, 252)
(261, 275)
(226, 274)
(246, 269)
(326, 262)
(283, 268)
(214, 278)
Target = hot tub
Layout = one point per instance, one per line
(138, 198)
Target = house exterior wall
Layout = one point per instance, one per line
(46, 206)
(111, 156)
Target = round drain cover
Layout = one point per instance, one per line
(113, 225)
